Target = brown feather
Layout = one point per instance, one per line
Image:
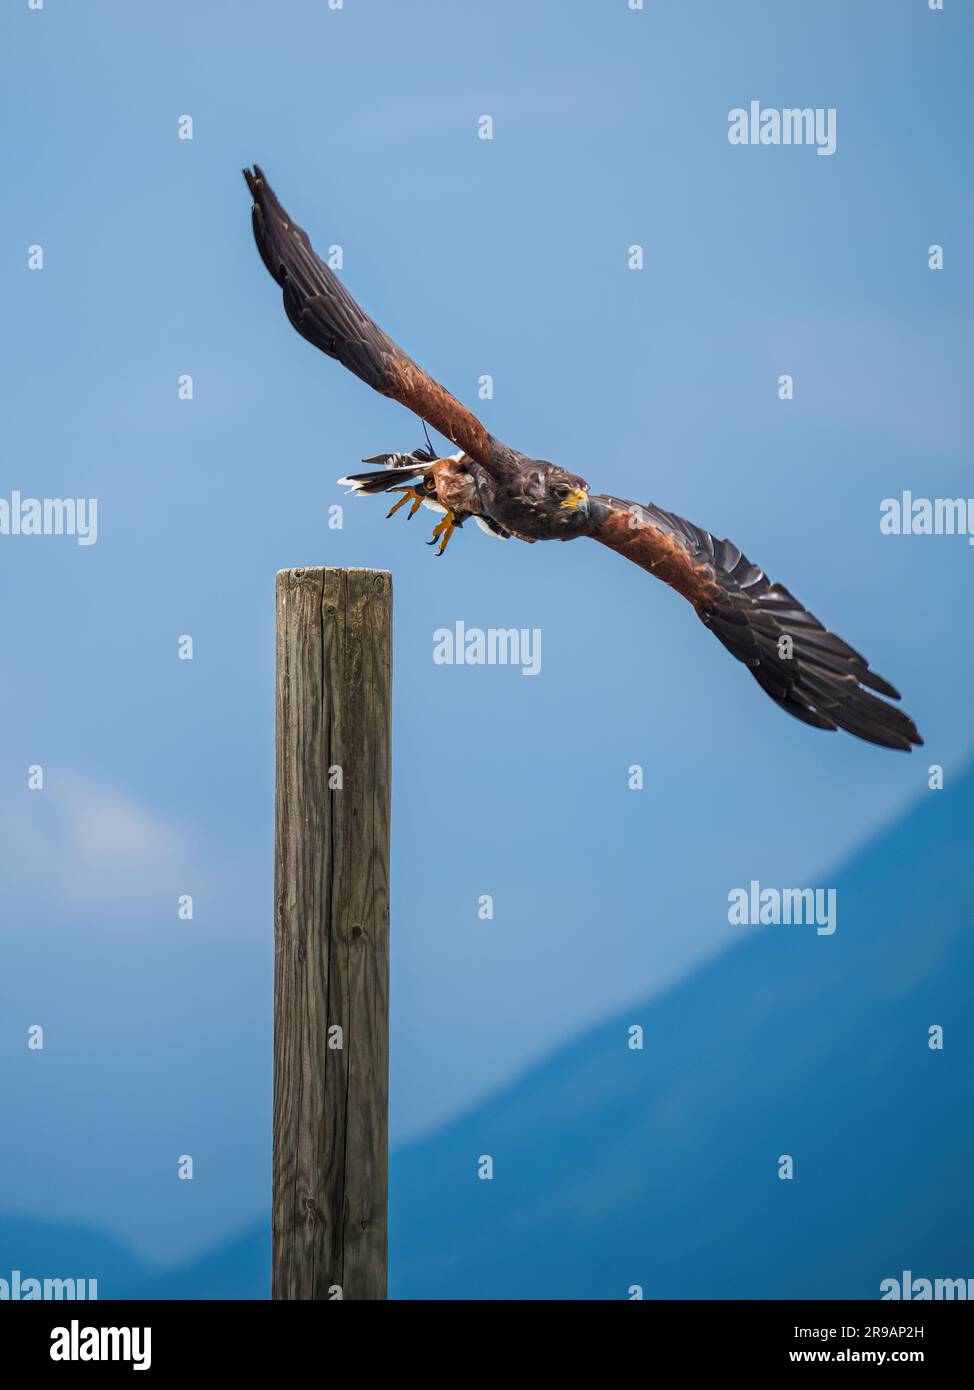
(808, 671)
(322, 310)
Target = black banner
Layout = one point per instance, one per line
(165, 1339)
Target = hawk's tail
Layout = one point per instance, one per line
(397, 469)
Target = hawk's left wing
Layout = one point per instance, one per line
(805, 669)
(322, 310)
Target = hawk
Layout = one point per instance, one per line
(807, 670)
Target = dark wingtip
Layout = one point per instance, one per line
(911, 738)
(253, 177)
(875, 682)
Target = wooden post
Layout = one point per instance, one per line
(331, 930)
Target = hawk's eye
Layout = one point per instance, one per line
(561, 489)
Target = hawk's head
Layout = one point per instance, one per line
(563, 498)
(543, 502)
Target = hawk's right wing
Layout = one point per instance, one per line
(805, 669)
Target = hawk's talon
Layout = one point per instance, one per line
(443, 530)
(409, 493)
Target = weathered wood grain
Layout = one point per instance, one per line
(334, 689)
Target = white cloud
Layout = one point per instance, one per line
(81, 845)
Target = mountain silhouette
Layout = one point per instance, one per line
(237, 1268)
(44, 1249)
(659, 1168)
(616, 1167)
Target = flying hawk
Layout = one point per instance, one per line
(808, 671)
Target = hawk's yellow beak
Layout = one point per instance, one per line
(578, 497)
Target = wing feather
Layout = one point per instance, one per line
(810, 672)
(321, 309)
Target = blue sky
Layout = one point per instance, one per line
(506, 257)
